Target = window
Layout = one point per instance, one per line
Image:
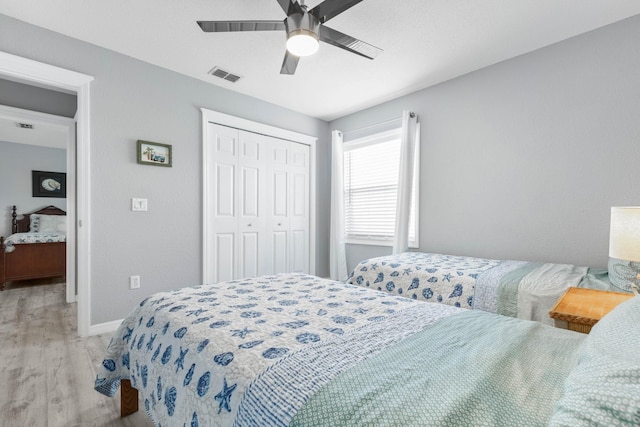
(371, 189)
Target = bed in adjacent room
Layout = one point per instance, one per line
(36, 248)
(526, 290)
(293, 349)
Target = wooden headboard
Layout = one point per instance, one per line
(22, 225)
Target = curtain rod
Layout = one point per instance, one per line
(411, 114)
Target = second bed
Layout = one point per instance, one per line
(526, 290)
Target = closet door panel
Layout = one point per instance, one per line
(250, 192)
(280, 251)
(226, 144)
(222, 203)
(225, 190)
(279, 152)
(280, 185)
(225, 257)
(299, 263)
(250, 253)
(251, 161)
(299, 208)
(299, 194)
(278, 202)
(253, 209)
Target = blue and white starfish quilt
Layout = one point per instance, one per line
(251, 352)
(526, 290)
(445, 279)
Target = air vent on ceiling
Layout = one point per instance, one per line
(24, 125)
(219, 72)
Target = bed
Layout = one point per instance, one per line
(36, 248)
(293, 349)
(526, 290)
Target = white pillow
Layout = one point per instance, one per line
(48, 223)
(34, 223)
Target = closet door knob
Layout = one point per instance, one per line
(248, 225)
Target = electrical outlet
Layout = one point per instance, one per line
(134, 282)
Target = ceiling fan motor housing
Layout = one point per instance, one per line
(302, 24)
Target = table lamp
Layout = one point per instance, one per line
(624, 248)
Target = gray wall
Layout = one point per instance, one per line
(523, 159)
(16, 163)
(34, 98)
(133, 100)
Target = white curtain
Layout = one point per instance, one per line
(409, 138)
(337, 251)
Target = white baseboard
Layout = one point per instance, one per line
(105, 328)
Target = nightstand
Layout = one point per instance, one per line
(580, 308)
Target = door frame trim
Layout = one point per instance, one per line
(39, 73)
(210, 116)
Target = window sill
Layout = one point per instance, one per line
(373, 242)
(370, 242)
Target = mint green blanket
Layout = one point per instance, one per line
(474, 368)
(530, 291)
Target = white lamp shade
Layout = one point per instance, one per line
(624, 237)
(302, 44)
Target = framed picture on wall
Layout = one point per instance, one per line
(49, 184)
(153, 153)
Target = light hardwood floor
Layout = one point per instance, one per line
(46, 370)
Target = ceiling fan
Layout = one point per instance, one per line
(305, 29)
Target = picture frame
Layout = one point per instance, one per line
(49, 184)
(154, 153)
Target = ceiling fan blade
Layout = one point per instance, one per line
(289, 64)
(331, 8)
(349, 43)
(227, 26)
(290, 6)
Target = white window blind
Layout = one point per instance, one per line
(371, 189)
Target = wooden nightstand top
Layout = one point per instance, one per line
(586, 306)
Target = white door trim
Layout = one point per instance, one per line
(210, 116)
(68, 126)
(35, 72)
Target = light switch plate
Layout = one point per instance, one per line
(138, 204)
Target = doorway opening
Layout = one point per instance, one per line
(36, 73)
(35, 141)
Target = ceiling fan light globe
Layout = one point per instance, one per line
(302, 43)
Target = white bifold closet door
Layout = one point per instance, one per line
(258, 213)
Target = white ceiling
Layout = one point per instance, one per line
(424, 41)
